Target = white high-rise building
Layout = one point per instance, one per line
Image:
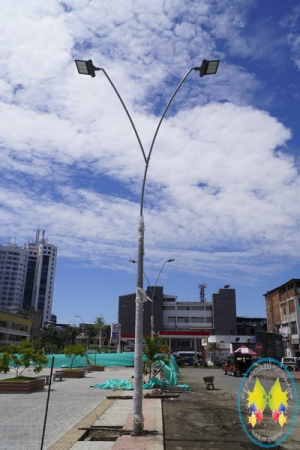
(13, 265)
(32, 269)
(39, 285)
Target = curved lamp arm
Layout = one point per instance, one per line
(168, 261)
(155, 135)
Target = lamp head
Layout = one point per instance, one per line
(208, 67)
(86, 67)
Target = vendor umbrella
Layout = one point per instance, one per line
(243, 350)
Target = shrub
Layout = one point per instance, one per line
(22, 355)
(73, 351)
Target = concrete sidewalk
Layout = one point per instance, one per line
(74, 404)
(119, 413)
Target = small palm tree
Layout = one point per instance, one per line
(153, 351)
(214, 347)
(99, 325)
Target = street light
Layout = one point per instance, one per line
(133, 261)
(152, 306)
(88, 68)
(87, 346)
(153, 291)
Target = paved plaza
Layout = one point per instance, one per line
(74, 404)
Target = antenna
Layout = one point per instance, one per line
(202, 288)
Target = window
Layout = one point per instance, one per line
(291, 307)
(183, 308)
(197, 308)
(169, 308)
(171, 319)
(208, 319)
(183, 319)
(197, 319)
(208, 308)
(294, 329)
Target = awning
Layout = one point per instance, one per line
(243, 350)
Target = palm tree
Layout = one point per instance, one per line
(214, 347)
(91, 332)
(153, 351)
(99, 325)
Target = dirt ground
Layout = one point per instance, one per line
(208, 419)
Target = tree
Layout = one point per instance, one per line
(214, 347)
(70, 334)
(73, 351)
(22, 355)
(153, 351)
(91, 332)
(51, 337)
(99, 325)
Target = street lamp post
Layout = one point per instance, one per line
(88, 68)
(153, 291)
(87, 346)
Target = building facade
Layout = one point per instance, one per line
(184, 324)
(13, 265)
(283, 314)
(40, 276)
(27, 276)
(13, 328)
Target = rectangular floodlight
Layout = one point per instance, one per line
(82, 67)
(212, 67)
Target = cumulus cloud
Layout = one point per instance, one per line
(219, 173)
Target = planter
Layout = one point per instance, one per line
(97, 368)
(22, 387)
(72, 373)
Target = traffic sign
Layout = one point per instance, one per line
(258, 347)
(116, 326)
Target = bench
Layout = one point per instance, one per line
(47, 378)
(57, 375)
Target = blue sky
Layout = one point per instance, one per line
(222, 189)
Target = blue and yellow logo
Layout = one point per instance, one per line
(267, 403)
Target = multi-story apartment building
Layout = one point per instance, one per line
(39, 284)
(27, 276)
(13, 264)
(283, 314)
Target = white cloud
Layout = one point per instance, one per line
(219, 174)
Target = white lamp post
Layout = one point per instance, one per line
(88, 68)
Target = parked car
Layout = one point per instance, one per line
(188, 357)
(290, 362)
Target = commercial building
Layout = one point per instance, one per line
(13, 328)
(27, 276)
(283, 314)
(184, 324)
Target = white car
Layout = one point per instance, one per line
(289, 362)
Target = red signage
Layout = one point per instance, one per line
(258, 347)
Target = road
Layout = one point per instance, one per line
(208, 419)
